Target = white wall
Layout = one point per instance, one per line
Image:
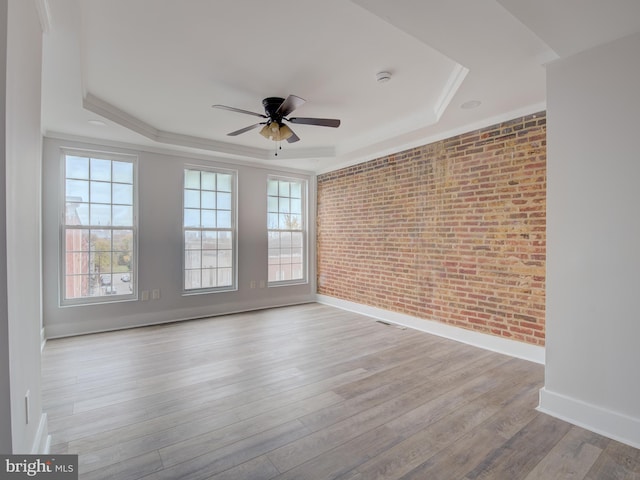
(160, 243)
(5, 375)
(22, 165)
(593, 240)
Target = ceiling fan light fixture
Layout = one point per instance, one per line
(276, 131)
(285, 132)
(266, 132)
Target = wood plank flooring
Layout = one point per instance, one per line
(308, 392)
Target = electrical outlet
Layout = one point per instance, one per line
(155, 294)
(145, 295)
(252, 284)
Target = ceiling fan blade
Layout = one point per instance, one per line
(322, 122)
(289, 105)
(239, 110)
(293, 138)
(245, 129)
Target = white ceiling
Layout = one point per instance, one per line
(151, 69)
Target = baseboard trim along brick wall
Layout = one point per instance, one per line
(513, 348)
(451, 232)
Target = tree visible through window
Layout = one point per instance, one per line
(99, 229)
(286, 229)
(208, 227)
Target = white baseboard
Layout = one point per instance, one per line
(505, 346)
(42, 441)
(596, 419)
(168, 316)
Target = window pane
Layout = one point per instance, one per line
(272, 204)
(272, 221)
(208, 218)
(192, 199)
(76, 240)
(209, 240)
(283, 205)
(100, 214)
(123, 172)
(272, 188)
(208, 200)
(225, 277)
(224, 201)
(224, 240)
(191, 279)
(192, 259)
(224, 258)
(77, 167)
(100, 263)
(295, 222)
(224, 182)
(192, 240)
(283, 189)
(192, 179)
(274, 239)
(296, 206)
(100, 169)
(77, 191)
(209, 278)
(122, 194)
(76, 286)
(296, 190)
(100, 192)
(208, 181)
(123, 240)
(122, 215)
(191, 218)
(224, 219)
(274, 256)
(77, 214)
(296, 239)
(209, 259)
(101, 240)
(77, 263)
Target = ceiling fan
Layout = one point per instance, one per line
(276, 111)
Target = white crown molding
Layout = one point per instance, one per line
(454, 81)
(110, 112)
(385, 148)
(44, 14)
(134, 148)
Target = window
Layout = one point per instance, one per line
(286, 204)
(99, 231)
(209, 230)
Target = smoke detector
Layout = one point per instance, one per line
(383, 77)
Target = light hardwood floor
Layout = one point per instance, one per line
(308, 392)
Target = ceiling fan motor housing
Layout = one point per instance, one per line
(271, 105)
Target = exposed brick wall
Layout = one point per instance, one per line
(453, 231)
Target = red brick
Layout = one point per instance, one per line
(453, 231)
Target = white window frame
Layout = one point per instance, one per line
(62, 260)
(303, 229)
(233, 229)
